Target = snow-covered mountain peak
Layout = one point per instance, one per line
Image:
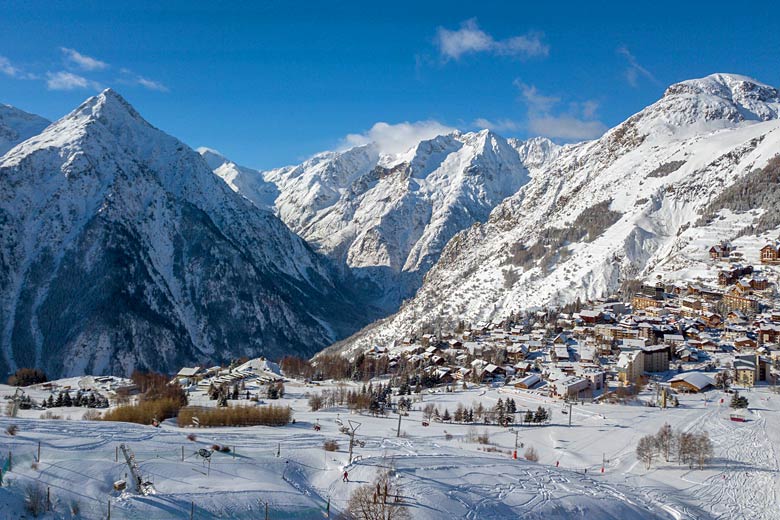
(536, 152)
(243, 180)
(117, 139)
(213, 158)
(17, 125)
(753, 99)
(139, 256)
(701, 105)
(104, 116)
(108, 106)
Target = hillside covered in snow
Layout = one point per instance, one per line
(607, 211)
(119, 249)
(586, 468)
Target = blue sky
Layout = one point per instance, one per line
(270, 83)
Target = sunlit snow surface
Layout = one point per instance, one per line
(438, 478)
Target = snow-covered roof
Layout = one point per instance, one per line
(260, 365)
(696, 379)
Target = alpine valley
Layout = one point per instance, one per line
(122, 248)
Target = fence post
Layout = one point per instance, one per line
(192, 510)
(39, 451)
(109, 509)
(182, 453)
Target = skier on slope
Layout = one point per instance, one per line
(345, 478)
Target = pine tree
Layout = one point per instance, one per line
(737, 401)
(446, 416)
(458, 415)
(529, 416)
(66, 400)
(541, 415)
(60, 400)
(500, 412)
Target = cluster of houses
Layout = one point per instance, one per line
(678, 334)
(251, 375)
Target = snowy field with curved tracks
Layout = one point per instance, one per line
(439, 471)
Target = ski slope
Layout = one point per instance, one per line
(439, 471)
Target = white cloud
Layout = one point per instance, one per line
(471, 39)
(399, 137)
(576, 124)
(498, 125)
(12, 71)
(81, 61)
(528, 45)
(63, 80)
(566, 127)
(7, 68)
(151, 84)
(128, 77)
(534, 99)
(589, 108)
(634, 69)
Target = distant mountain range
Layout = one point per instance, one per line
(387, 217)
(121, 247)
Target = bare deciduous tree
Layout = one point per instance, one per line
(530, 454)
(377, 501)
(646, 450)
(664, 439)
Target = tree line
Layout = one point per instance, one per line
(693, 449)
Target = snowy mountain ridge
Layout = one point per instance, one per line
(601, 212)
(386, 217)
(120, 249)
(536, 153)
